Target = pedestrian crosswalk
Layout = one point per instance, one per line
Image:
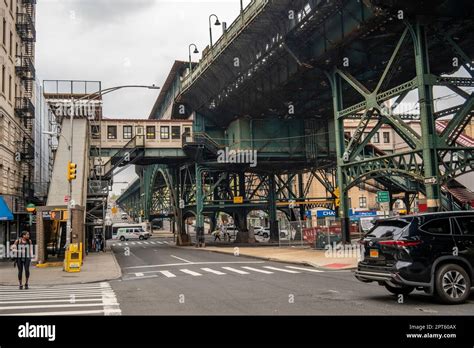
(139, 243)
(220, 271)
(81, 299)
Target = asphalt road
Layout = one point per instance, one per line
(160, 279)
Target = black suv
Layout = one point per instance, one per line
(433, 252)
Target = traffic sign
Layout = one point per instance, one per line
(431, 181)
(383, 197)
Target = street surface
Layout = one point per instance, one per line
(160, 279)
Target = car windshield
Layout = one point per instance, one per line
(389, 228)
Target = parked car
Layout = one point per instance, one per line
(433, 252)
(124, 234)
(261, 231)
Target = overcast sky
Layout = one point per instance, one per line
(123, 42)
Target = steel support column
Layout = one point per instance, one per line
(343, 210)
(428, 127)
(272, 209)
(199, 208)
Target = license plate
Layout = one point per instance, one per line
(374, 253)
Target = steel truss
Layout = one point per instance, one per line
(432, 160)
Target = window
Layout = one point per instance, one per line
(165, 132)
(366, 135)
(127, 132)
(466, 224)
(347, 135)
(386, 137)
(376, 138)
(438, 226)
(388, 228)
(10, 87)
(11, 44)
(4, 32)
(111, 132)
(362, 202)
(176, 132)
(95, 130)
(150, 132)
(3, 79)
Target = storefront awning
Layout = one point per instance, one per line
(5, 212)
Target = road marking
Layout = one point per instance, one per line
(119, 244)
(258, 270)
(168, 274)
(181, 259)
(55, 300)
(146, 242)
(280, 269)
(43, 314)
(166, 242)
(126, 243)
(235, 270)
(159, 242)
(196, 263)
(133, 243)
(213, 271)
(140, 278)
(187, 271)
(305, 269)
(153, 243)
(139, 274)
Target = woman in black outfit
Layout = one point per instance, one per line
(24, 248)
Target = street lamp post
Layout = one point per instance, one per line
(196, 51)
(217, 23)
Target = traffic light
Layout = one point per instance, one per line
(71, 171)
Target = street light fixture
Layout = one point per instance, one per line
(217, 23)
(196, 51)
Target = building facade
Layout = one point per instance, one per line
(17, 113)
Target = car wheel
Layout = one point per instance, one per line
(452, 284)
(122, 239)
(141, 238)
(399, 290)
(265, 235)
(282, 235)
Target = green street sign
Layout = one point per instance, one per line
(383, 197)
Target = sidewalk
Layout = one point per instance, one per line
(295, 255)
(97, 267)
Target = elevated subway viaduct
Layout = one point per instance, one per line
(283, 79)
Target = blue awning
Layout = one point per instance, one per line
(5, 212)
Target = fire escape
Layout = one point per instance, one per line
(24, 106)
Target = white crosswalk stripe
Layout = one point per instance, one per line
(159, 242)
(168, 274)
(153, 243)
(257, 270)
(213, 271)
(166, 242)
(82, 299)
(280, 269)
(187, 271)
(235, 270)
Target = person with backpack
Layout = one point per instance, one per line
(24, 254)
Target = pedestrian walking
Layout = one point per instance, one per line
(24, 254)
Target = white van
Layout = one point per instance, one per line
(124, 234)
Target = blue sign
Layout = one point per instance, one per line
(325, 213)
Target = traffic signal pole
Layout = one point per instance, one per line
(69, 212)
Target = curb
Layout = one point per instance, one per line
(301, 263)
(78, 282)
